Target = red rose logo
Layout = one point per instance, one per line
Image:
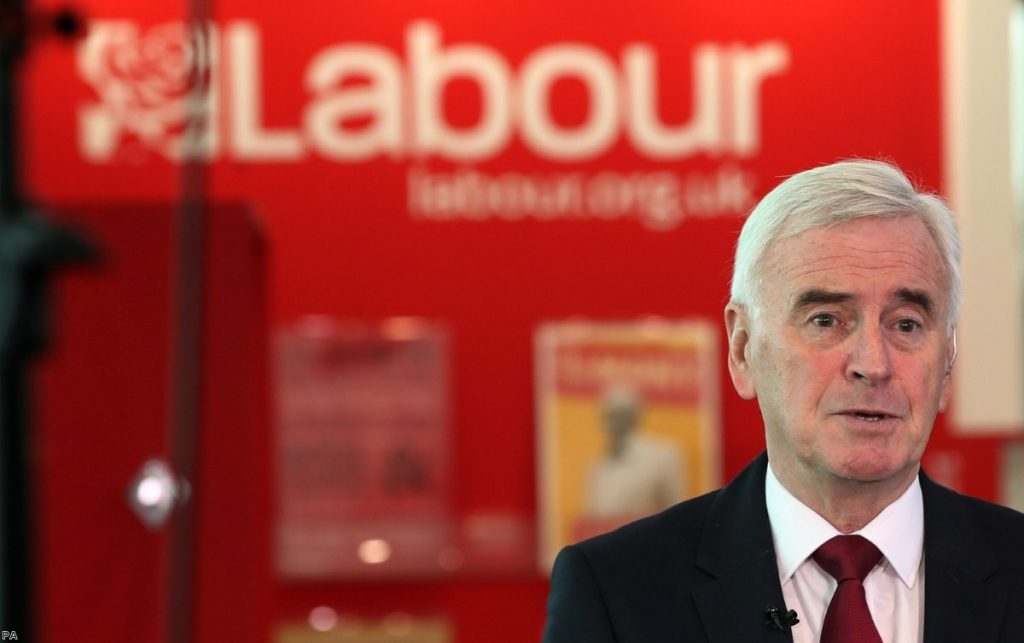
(155, 85)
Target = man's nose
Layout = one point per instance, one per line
(869, 361)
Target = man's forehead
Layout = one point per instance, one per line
(884, 259)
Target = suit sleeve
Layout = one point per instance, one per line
(576, 609)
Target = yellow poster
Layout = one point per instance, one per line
(628, 423)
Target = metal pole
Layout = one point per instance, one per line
(15, 482)
(30, 249)
(187, 377)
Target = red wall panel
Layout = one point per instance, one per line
(103, 410)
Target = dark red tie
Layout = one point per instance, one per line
(848, 559)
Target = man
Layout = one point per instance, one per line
(845, 295)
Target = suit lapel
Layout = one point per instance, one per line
(959, 605)
(736, 548)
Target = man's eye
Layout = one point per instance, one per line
(907, 325)
(824, 320)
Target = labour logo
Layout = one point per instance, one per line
(154, 88)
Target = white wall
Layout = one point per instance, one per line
(979, 169)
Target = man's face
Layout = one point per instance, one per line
(849, 358)
(620, 420)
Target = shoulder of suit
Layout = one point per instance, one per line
(675, 527)
(1001, 526)
(1001, 513)
(998, 517)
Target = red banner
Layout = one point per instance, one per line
(489, 165)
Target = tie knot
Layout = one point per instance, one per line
(846, 557)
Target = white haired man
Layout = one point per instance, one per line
(841, 324)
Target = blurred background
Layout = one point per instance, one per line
(310, 314)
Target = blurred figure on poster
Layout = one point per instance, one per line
(638, 474)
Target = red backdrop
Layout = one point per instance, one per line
(328, 115)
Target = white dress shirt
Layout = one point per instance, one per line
(894, 588)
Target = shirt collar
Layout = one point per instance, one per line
(898, 531)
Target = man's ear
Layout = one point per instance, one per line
(737, 332)
(947, 383)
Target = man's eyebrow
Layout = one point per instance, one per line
(817, 296)
(917, 297)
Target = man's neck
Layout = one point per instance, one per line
(848, 505)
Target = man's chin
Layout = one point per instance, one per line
(875, 470)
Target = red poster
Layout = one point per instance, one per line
(363, 444)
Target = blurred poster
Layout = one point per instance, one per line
(628, 423)
(364, 466)
(1012, 482)
(390, 629)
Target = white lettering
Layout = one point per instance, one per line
(647, 132)
(431, 68)
(366, 102)
(659, 200)
(477, 196)
(380, 100)
(248, 138)
(539, 73)
(654, 196)
(749, 69)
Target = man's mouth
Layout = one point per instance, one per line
(869, 415)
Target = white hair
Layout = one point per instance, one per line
(832, 194)
(621, 397)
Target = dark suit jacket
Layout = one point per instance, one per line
(705, 570)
